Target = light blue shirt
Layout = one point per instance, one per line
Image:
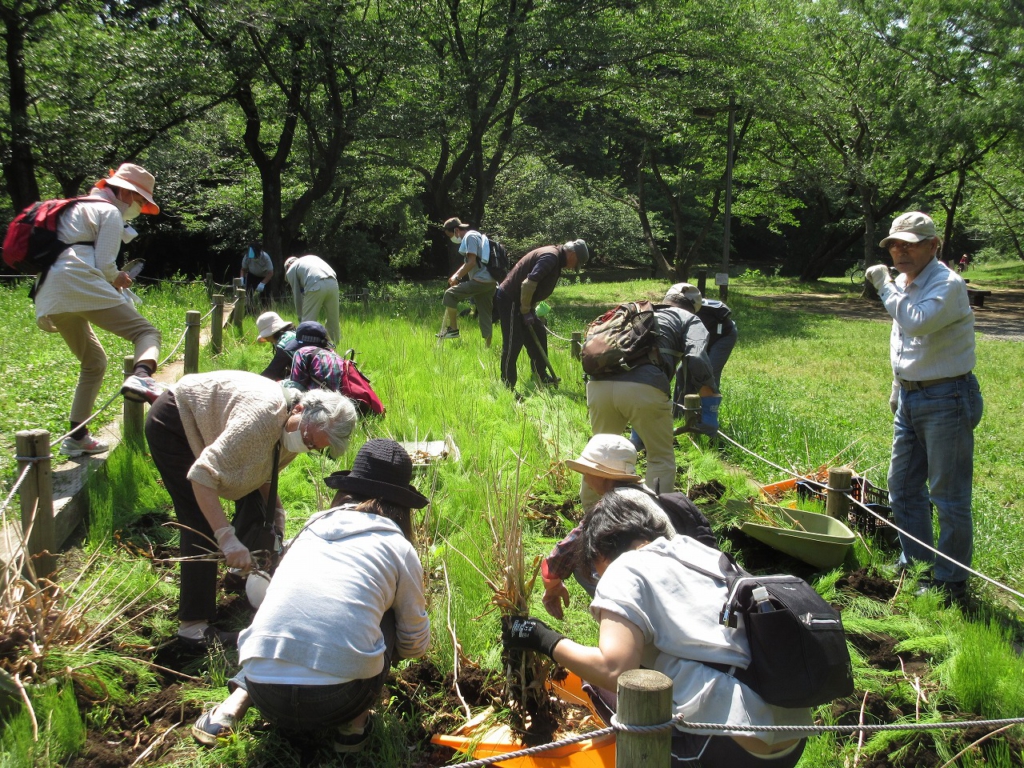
(933, 325)
(477, 244)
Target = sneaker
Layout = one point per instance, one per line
(88, 445)
(142, 389)
(208, 732)
(348, 743)
(449, 333)
(211, 638)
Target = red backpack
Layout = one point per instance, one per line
(31, 245)
(314, 367)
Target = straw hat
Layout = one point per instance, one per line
(137, 179)
(610, 456)
(269, 324)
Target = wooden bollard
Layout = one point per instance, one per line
(366, 299)
(192, 320)
(236, 283)
(576, 345)
(217, 324)
(691, 411)
(645, 698)
(134, 413)
(37, 501)
(840, 482)
(238, 313)
(702, 281)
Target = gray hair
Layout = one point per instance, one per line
(331, 413)
(622, 516)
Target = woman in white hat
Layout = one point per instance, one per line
(83, 288)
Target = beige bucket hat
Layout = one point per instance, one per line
(270, 323)
(610, 456)
(137, 179)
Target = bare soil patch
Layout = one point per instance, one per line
(1002, 317)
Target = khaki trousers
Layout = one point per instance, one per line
(76, 330)
(614, 405)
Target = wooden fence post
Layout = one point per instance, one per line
(702, 281)
(134, 413)
(366, 299)
(238, 313)
(37, 502)
(192, 320)
(645, 698)
(840, 482)
(217, 324)
(576, 345)
(236, 283)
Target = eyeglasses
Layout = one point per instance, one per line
(903, 245)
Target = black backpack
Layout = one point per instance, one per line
(686, 518)
(798, 653)
(497, 261)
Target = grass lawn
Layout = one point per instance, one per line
(801, 390)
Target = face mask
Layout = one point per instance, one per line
(292, 441)
(132, 211)
(456, 239)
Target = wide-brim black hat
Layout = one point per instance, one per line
(382, 470)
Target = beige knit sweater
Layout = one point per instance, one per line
(233, 420)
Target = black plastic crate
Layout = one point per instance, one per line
(876, 499)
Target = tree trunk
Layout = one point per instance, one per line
(660, 265)
(18, 164)
(946, 250)
(869, 227)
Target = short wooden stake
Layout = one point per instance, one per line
(37, 502)
(217, 324)
(645, 698)
(840, 483)
(134, 413)
(691, 411)
(238, 313)
(366, 299)
(576, 345)
(192, 320)
(236, 283)
(702, 281)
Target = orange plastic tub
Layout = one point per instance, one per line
(591, 753)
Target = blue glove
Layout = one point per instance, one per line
(529, 318)
(260, 287)
(709, 414)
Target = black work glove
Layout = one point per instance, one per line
(528, 634)
(529, 318)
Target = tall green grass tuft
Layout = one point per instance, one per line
(61, 731)
(983, 673)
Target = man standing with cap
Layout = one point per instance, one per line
(473, 280)
(257, 271)
(314, 288)
(528, 283)
(935, 400)
(607, 462)
(83, 289)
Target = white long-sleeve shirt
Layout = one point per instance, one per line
(933, 325)
(81, 278)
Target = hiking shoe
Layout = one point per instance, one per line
(212, 637)
(88, 445)
(952, 592)
(142, 389)
(449, 333)
(209, 733)
(348, 743)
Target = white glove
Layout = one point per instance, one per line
(878, 275)
(894, 397)
(235, 552)
(260, 287)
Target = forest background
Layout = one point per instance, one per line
(351, 129)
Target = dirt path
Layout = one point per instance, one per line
(1001, 318)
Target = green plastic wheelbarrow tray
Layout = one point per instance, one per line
(817, 539)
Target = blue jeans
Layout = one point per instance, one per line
(933, 463)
